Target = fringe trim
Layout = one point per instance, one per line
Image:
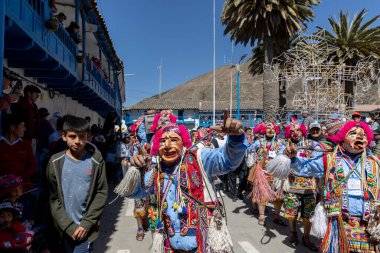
(130, 182)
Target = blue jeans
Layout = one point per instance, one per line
(71, 246)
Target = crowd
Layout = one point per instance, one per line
(53, 178)
(55, 171)
(334, 163)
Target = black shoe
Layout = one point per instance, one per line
(241, 197)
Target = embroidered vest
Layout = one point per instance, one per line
(268, 147)
(334, 175)
(198, 197)
(302, 185)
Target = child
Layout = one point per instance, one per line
(11, 189)
(13, 235)
(77, 188)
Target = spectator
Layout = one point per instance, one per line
(97, 63)
(10, 229)
(61, 17)
(356, 116)
(77, 188)
(12, 189)
(315, 132)
(73, 30)
(307, 119)
(375, 121)
(53, 6)
(43, 141)
(28, 111)
(56, 143)
(16, 154)
(376, 138)
(122, 153)
(7, 99)
(53, 120)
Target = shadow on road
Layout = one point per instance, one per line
(109, 219)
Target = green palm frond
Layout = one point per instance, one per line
(252, 21)
(355, 40)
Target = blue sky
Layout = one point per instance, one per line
(181, 32)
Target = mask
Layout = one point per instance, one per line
(295, 134)
(269, 132)
(171, 146)
(355, 141)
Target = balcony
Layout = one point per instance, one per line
(51, 57)
(100, 95)
(28, 40)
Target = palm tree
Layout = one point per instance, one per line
(270, 22)
(353, 40)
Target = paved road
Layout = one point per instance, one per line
(118, 230)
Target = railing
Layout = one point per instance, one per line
(99, 78)
(31, 16)
(66, 39)
(38, 6)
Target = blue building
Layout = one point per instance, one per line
(191, 102)
(77, 70)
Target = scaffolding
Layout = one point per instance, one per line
(322, 80)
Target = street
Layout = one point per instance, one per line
(118, 230)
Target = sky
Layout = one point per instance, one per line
(181, 32)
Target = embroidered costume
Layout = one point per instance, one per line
(187, 216)
(350, 178)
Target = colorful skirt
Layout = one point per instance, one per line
(358, 238)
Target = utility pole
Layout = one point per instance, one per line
(238, 87)
(160, 84)
(213, 90)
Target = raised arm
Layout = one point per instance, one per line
(223, 160)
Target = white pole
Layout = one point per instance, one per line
(160, 85)
(231, 71)
(213, 91)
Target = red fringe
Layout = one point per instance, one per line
(261, 190)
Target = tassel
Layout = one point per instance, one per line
(335, 240)
(158, 245)
(328, 195)
(261, 191)
(129, 184)
(218, 239)
(279, 167)
(319, 220)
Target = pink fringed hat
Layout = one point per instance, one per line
(294, 125)
(341, 134)
(157, 121)
(179, 129)
(262, 127)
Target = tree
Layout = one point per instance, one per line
(272, 23)
(354, 41)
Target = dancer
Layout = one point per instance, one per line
(300, 195)
(188, 218)
(265, 149)
(350, 175)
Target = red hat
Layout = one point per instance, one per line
(356, 114)
(10, 182)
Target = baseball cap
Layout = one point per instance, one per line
(315, 125)
(356, 114)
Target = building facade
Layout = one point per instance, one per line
(72, 59)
